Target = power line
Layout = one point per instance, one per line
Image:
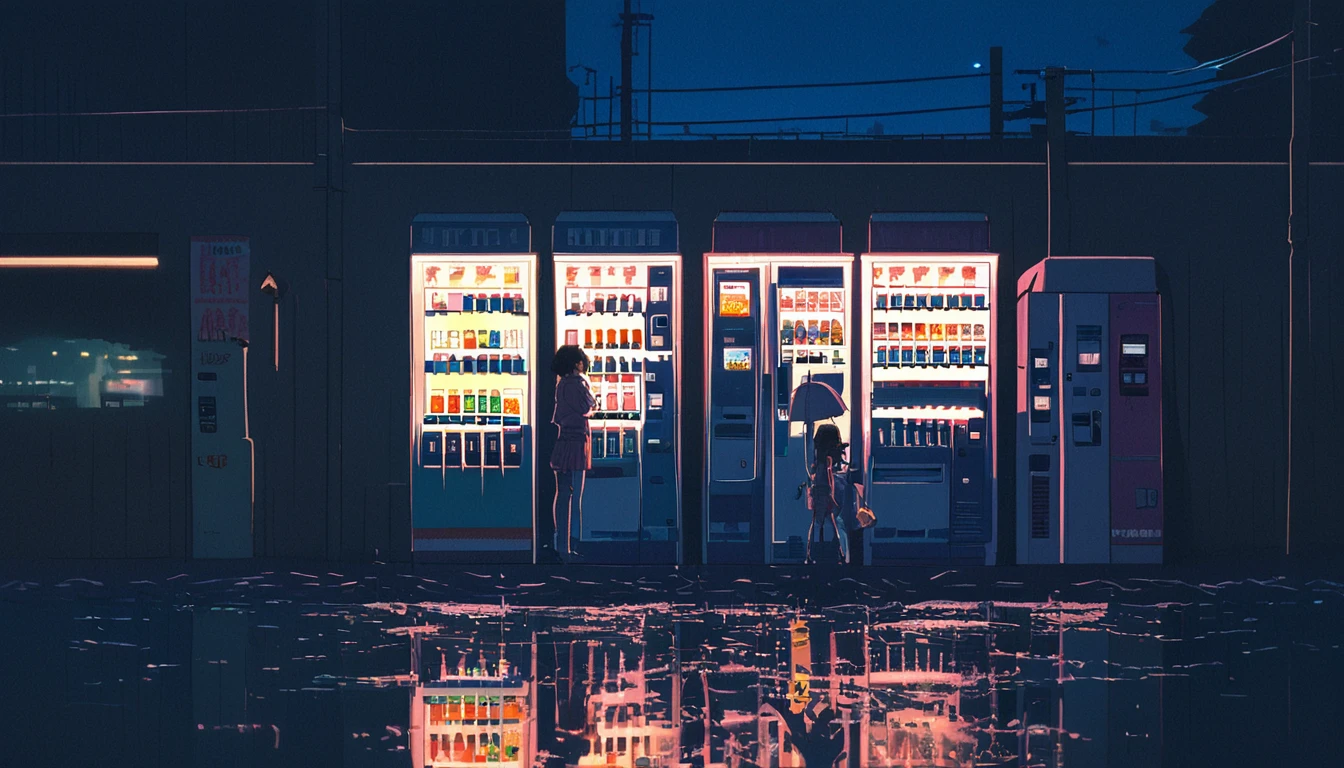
(1221, 84)
(854, 116)
(125, 113)
(1217, 63)
(799, 86)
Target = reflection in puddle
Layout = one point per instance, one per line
(325, 670)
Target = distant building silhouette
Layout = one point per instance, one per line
(1263, 106)
(254, 73)
(468, 65)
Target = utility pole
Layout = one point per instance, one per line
(627, 53)
(629, 21)
(1301, 483)
(1057, 164)
(996, 92)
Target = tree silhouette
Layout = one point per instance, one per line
(1263, 106)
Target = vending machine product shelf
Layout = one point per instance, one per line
(473, 325)
(618, 297)
(928, 337)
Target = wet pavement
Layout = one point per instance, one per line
(267, 664)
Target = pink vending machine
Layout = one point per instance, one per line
(1089, 411)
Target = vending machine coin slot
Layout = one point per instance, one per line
(431, 450)
(513, 448)
(452, 450)
(472, 449)
(493, 446)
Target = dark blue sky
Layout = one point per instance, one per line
(699, 43)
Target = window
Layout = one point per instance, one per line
(39, 374)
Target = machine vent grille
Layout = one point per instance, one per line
(1040, 506)
(967, 522)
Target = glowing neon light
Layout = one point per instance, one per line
(951, 413)
(80, 262)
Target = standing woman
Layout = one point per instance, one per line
(826, 491)
(573, 452)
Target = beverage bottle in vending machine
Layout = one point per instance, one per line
(637, 338)
(436, 401)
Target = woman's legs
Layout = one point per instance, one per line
(575, 504)
(564, 492)
(841, 537)
(568, 502)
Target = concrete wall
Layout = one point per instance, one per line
(1217, 228)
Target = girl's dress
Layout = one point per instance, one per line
(573, 401)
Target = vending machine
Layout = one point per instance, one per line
(927, 377)
(777, 295)
(473, 402)
(618, 297)
(1089, 411)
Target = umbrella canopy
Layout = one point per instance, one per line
(815, 401)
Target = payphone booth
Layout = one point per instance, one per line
(777, 296)
(1089, 411)
(618, 297)
(473, 396)
(927, 370)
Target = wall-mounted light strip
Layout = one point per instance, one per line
(79, 262)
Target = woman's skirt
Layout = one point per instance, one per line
(572, 455)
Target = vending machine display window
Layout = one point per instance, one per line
(928, 340)
(473, 394)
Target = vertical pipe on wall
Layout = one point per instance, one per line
(1300, 471)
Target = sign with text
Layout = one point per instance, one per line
(222, 462)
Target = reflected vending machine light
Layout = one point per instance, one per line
(928, 339)
(473, 292)
(1089, 412)
(777, 296)
(618, 297)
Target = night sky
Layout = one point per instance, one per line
(699, 43)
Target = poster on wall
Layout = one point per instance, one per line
(222, 465)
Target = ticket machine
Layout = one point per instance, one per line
(1089, 411)
(618, 297)
(777, 296)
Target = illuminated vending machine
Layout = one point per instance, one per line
(927, 343)
(473, 291)
(1089, 411)
(778, 298)
(617, 296)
